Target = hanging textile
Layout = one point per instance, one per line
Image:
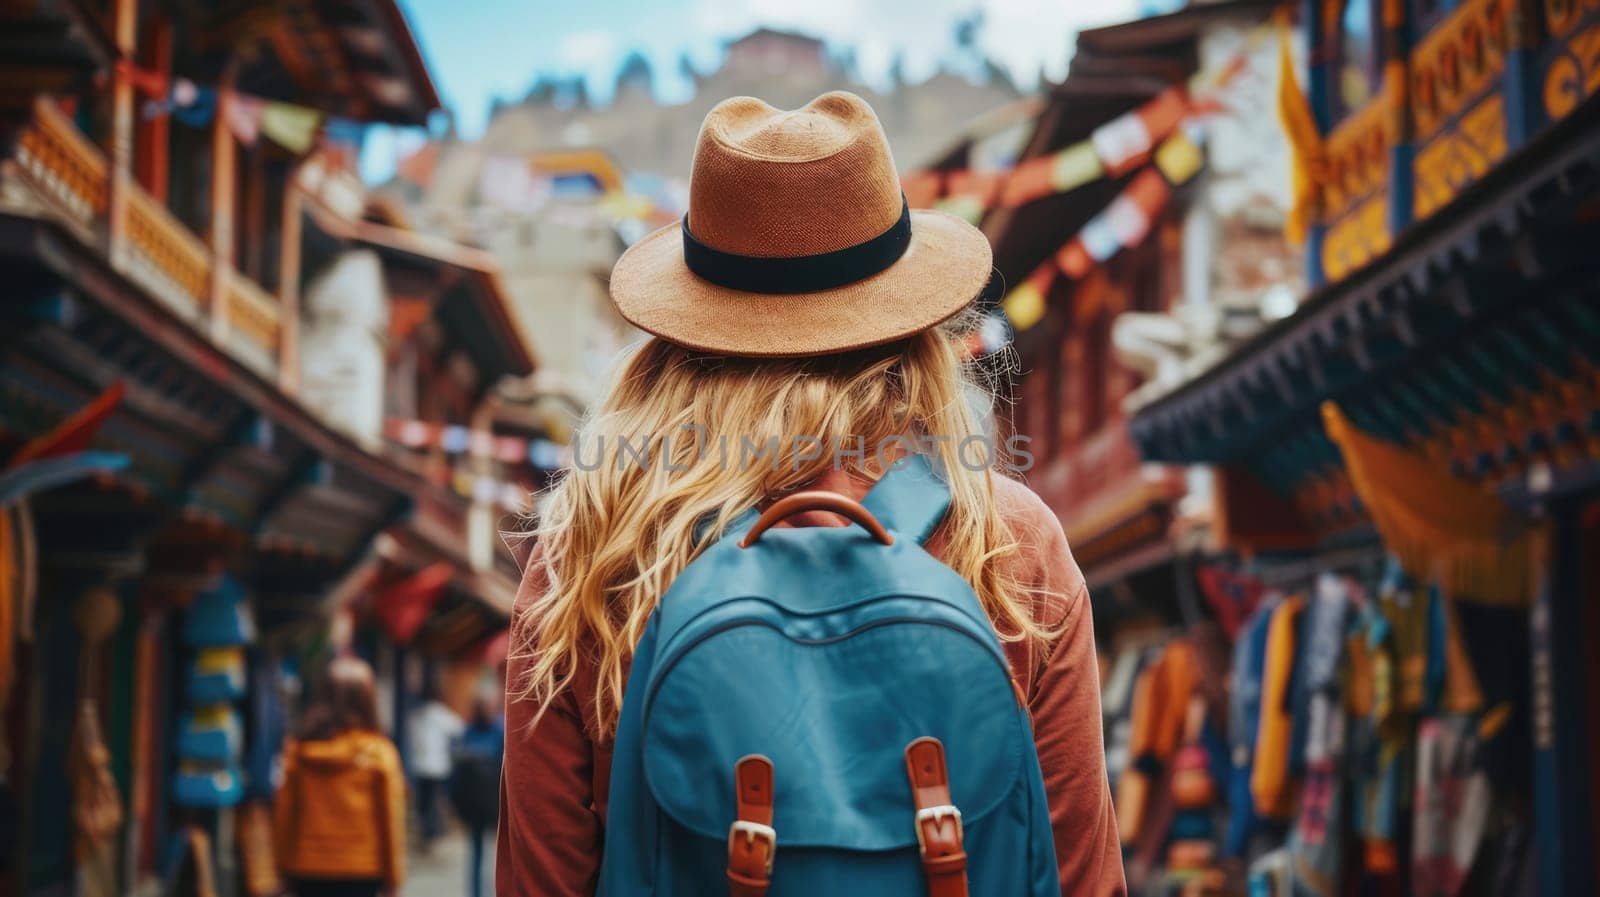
(256, 850)
(1244, 714)
(1316, 843)
(96, 806)
(1307, 155)
(403, 607)
(1233, 596)
(74, 433)
(1385, 687)
(1443, 529)
(1453, 800)
(1271, 785)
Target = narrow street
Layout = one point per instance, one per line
(442, 871)
(1225, 373)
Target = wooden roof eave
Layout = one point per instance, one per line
(1196, 422)
(427, 537)
(408, 54)
(72, 261)
(1169, 28)
(515, 353)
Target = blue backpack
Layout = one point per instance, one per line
(826, 711)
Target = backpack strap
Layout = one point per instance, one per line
(752, 844)
(940, 839)
(911, 497)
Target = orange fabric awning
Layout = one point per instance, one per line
(1444, 530)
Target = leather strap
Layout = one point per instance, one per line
(816, 500)
(752, 844)
(939, 834)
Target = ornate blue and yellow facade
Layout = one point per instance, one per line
(1453, 337)
(1418, 100)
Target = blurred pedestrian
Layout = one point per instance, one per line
(800, 309)
(475, 783)
(433, 729)
(339, 816)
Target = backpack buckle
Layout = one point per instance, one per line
(753, 832)
(937, 814)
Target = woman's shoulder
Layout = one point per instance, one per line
(1022, 507)
(1043, 562)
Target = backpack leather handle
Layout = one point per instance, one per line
(816, 500)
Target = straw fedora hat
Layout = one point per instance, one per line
(798, 241)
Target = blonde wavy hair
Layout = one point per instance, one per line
(614, 532)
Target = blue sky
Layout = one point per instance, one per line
(482, 49)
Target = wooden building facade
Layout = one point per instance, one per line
(1123, 515)
(165, 290)
(1434, 397)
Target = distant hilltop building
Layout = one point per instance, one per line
(784, 68)
(540, 189)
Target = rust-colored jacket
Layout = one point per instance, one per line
(553, 792)
(341, 811)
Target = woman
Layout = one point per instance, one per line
(781, 203)
(340, 814)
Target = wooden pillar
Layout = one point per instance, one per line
(125, 24)
(289, 288)
(1396, 45)
(253, 218)
(150, 160)
(1315, 15)
(224, 163)
(1562, 761)
(482, 533)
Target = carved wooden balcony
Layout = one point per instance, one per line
(1458, 108)
(1355, 193)
(69, 179)
(254, 330)
(64, 166)
(165, 257)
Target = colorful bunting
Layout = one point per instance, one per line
(1025, 305)
(290, 126)
(968, 208)
(1179, 158)
(249, 117)
(1121, 225)
(454, 439)
(1112, 150)
(243, 113)
(488, 490)
(1075, 166)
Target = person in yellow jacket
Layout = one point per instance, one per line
(339, 815)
